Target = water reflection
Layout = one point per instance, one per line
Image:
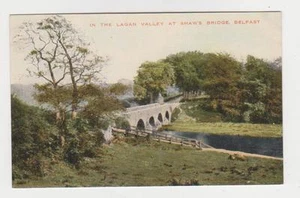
(257, 145)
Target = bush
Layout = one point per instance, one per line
(122, 123)
(72, 154)
(32, 138)
(175, 114)
(87, 144)
(99, 137)
(81, 125)
(256, 113)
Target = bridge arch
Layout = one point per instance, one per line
(140, 125)
(152, 121)
(160, 117)
(167, 115)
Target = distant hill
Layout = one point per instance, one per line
(24, 93)
(125, 81)
(129, 93)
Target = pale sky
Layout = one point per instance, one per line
(128, 47)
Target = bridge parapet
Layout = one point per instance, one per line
(141, 107)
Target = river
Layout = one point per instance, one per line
(269, 146)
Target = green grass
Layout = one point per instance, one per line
(192, 120)
(136, 162)
(194, 110)
(228, 128)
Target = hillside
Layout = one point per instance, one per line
(24, 93)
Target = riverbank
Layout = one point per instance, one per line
(212, 124)
(225, 128)
(138, 162)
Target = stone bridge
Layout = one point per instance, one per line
(150, 117)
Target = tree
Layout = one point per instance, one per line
(265, 79)
(95, 97)
(221, 73)
(188, 70)
(45, 56)
(59, 97)
(152, 79)
(56, 45)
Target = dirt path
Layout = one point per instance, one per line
(241, 153)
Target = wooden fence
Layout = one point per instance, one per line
(162, 137)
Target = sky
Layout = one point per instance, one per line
(128, 40)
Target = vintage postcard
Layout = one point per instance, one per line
(146, 99)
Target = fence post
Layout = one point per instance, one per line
(148, 137)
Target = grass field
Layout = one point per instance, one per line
(210, 122)
(136, 162)
(227, 128)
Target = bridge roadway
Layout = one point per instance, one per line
(150, 117)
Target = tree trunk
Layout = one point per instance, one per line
(58, 117)
(75, 90)
(151, 97)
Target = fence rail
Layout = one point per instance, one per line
(162, 137)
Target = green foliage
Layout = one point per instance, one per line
(36, 140)
(72, 153)
(175, 114)
(81, 125)
(122, 123)
(62, 54)
(202, 110)
(250, 93)
(222, 73)
(256, 113)
(32, 138)
(71, 136)
(59, 98)
(118, 88)
(152, 79)
(99, 101)
(188, 67)
(81, 49)
(81, 141)
(262, 90)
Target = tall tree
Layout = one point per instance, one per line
(221, 73)
(96, 96)
(45, 55)
(188, 70)
(152, 79)
(263, 83)
(70, 53)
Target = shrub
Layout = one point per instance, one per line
(32, 138)
(175, 114)
(81, 125)
(72, 154)
(87, 144)
(122, 123)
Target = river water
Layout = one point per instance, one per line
(257, 145)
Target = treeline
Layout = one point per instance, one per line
(249, 91)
